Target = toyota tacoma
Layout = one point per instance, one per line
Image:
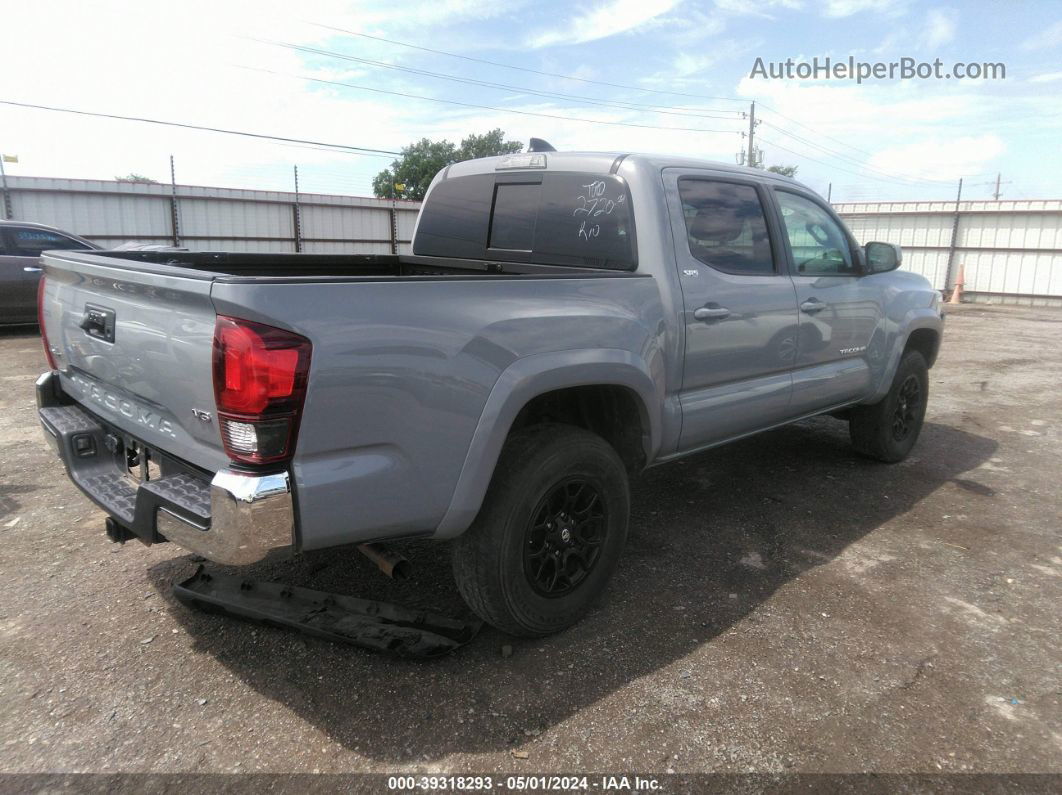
(564, 321)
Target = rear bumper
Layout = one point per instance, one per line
(235, 518)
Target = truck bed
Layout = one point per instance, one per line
(406, 351)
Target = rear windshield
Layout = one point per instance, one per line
(555, 218)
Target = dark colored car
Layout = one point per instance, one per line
(21, 244)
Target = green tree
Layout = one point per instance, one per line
(421, 161)
(785, 171)
(487, 145)
(138, 178)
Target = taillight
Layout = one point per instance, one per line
(40, 322)
(260, 377)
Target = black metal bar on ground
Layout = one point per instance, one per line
(359, 622)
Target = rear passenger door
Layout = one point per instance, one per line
(739, 306)
(841, 314)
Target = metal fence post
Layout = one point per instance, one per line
(394, 228)
(8, 213)
(297, 210)
(954, 238)
(175, 211)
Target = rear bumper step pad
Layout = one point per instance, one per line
(100, 471)
(359, 622)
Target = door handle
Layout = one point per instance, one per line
(812, 305)
(711, 313)
(31, 269)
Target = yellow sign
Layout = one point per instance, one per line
(10, 158)
(400, 186)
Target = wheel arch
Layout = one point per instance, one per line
(528, 390)
(921, 330)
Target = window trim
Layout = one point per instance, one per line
(778, 263)
(853, 248)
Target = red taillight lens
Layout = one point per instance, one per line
(40, 322)
(260, 375)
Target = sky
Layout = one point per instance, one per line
(664, 76)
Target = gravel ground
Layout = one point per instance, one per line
(783, 605)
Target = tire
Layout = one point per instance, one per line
(557, 509)
(889, 429)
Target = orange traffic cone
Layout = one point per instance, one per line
(956, 294)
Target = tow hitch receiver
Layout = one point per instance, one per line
(359, 622)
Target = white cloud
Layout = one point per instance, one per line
(886, 134)
(846, 8)
(939, 27)
(1051, 36)
(607, 19)
(687, 64)
(758, 9)
(415, 13)
(940, 157)
(1046, 77)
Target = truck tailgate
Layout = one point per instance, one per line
(134, 345)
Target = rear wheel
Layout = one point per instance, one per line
(889, 429)
(549, 533)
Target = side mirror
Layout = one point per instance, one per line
(882, 257)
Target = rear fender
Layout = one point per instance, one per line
(526, 379)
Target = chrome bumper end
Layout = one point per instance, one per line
(251, 517)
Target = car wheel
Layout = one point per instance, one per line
(549, 534)
(888, 429)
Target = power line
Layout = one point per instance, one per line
(855, 161)
(835, 167)
(487, 107)
(354, 150)
(521, 68)
(817, 132)
(710, 113)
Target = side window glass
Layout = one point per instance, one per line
(725, 226)
(819, 244)
(25, 241)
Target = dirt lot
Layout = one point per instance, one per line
(782, 606)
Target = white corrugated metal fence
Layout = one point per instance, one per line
(215, 219)
(1009, 249)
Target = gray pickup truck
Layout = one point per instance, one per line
(565, 321)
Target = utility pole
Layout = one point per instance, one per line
(750, 158)
(998, 192)
(998, 181)
(829, 193)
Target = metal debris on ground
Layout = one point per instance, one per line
(347, 619)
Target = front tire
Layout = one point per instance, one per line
(889, 429)
(549, 534)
